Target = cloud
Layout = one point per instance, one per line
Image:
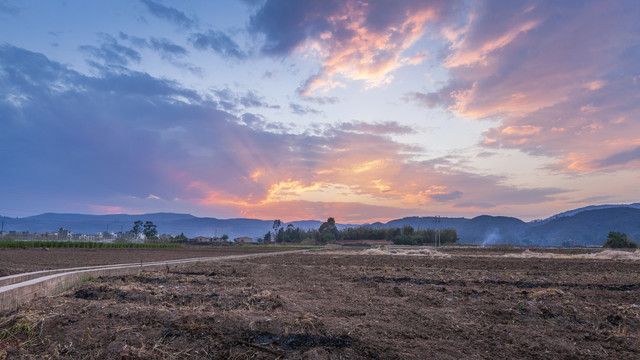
(231, 100)
(110, 52)
(321, 100)
(167, 49)
(475, 205)
(557, 77)
(354, 40)
(591, 200)
(430, 100)
(344, 212)
(169, 13)
(444, 197)
(8, 9)
(303, 110)
(128, 134)
(219, 42)
(619, 159)
(380, 128)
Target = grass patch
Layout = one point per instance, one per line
(81, 244)
(23, 331)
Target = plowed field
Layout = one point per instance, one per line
(345, 304)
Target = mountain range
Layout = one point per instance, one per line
(587, 226)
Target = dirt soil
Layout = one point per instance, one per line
(16, 261)
(324, 304)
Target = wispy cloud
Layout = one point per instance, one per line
(169, 13)
(8, 9)
(167, 49)
(110, 52)
(388, 127)
(303, 110)
(232, 100)
(322, 100)
(219, 42)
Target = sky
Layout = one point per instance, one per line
(359, 110)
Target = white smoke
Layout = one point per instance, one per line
(492, 238)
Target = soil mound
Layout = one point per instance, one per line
(599, 255)
(413, 252)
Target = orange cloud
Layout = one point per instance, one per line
(368, 54)
(555, 90)
(595, 85)
(469, 54)
(524, 130)
(576, 162)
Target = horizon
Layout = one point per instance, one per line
(322, 220)
(363, 111)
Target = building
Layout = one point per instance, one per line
(64, 234)
(204, 239)
(243, 240)
(85, 237)
(201, 239)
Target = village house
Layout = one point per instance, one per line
(64, 234)
(243, 240)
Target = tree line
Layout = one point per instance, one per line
(328, 232)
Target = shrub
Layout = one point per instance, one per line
(618, 240)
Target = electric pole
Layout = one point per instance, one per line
(437, 239)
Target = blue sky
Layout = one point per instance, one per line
(361, 110)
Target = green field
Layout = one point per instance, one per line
(79, 244)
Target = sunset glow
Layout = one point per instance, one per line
(360, 110)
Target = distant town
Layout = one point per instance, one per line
(63, 234)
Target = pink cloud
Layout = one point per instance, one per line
(106, 209)
(561, 78)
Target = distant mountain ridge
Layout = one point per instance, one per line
(584, 226)
(589, 208)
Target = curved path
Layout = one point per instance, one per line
(21, 288)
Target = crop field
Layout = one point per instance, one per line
(470, 303)
(81, 244)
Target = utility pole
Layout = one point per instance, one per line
(437, 239)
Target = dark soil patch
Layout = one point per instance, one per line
(298, 341)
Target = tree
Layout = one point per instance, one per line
(448, 236)
(137, 228)
(181, 237)
(225, 237)
(267, 237)
(328, 231)
(278, 232)
(150, 230)
(618, 240)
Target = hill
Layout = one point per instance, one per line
(585, 226)
(588, 227)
